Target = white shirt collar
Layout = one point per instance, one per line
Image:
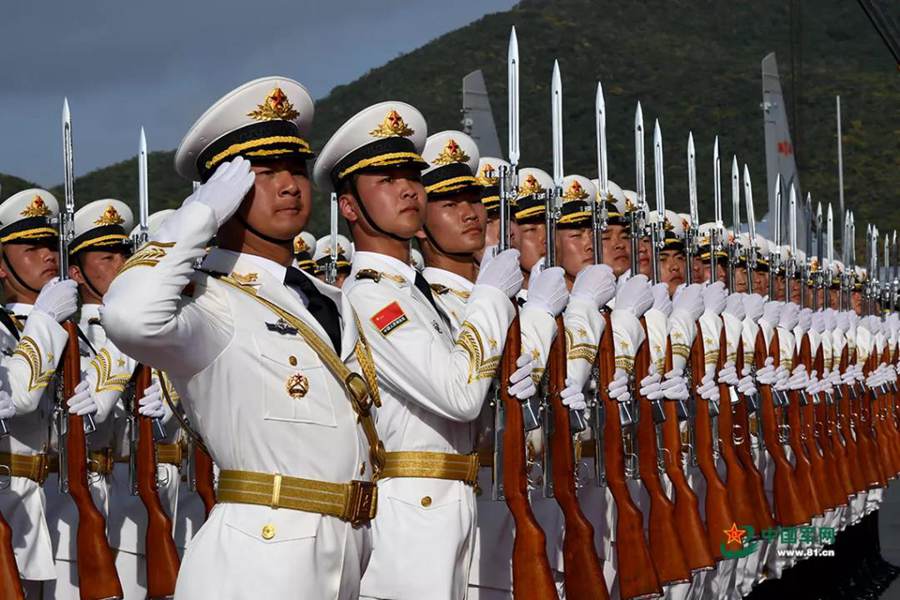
(449, 278)
(274, 269)
(407, 271)
(18, 308)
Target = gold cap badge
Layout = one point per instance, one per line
(488, 175)
(575, 192)
(452, 153)
(392, 125)
(36, 208)
(530, 186)
(300, 245)
(110, 216)
(275, 106)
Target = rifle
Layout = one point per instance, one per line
(665, 549)
(97, 578)
(583, 572)
(637, 573)
(162, 555)
(821, 478)
(532, 577)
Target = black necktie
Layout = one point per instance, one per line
(320, 306)
(423, 287)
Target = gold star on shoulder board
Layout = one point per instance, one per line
(120, 362)
(582, 332)
(492, 343)
(535, 354)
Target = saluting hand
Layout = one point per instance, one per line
(225, 190)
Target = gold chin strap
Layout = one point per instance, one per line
(362, 392)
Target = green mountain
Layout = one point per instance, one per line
(694, 65)
(10, 185)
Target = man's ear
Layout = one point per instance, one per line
(76, 275)
(349, 209)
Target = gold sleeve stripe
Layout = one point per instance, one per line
(626, 363)
(480, 366)
(682, 350)
(107, 381)
(38, 377)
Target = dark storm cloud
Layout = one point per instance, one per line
(160, 64)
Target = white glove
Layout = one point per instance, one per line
(714, 297)
(734, 306)
(772, 312)
(767, 375)
(818, 321)
(753, 306)
(834, 377)
(782, 376)
(58, 299)
(858, 372)
(688, 301)
(634, 295)
(745, 385)
(825, 382)
(503, 273)
(7, 408)
(708, 389)
(618, 387)
(830, 319)
(674, 385)
(849, 376)
(799, 378)
(151, 403)
(805, 320)
(661, 300)
(82, 402)
(225, 190)
(893, 324)
(842, 321)
(790, 316)
(650, 388)
(521, 385)
(547, 291)
(811, 385)
(728, 374)
(595, 283)
(572, 396)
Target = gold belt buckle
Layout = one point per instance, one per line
(363, 502)
(42, 468)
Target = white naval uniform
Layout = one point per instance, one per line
(231, 371)
(28, 369)
(491, 573)
(432, 390)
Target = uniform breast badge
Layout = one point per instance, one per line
(297, 385)
(281, 326)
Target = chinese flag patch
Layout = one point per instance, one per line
(389, 318)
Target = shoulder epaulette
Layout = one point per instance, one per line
(439, 289)
(368, 274)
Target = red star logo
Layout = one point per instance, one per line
(394, 117)
(785, 148)
(735, 534)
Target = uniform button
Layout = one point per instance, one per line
(268, 531)
(293, 360)
(426, 501)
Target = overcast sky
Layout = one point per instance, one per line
(161, 63)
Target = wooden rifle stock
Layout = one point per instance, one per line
(789, 511)
(867, 450)
(532, 578)
(808, 487)
(162, 555)
(10, 584)
(883, 438)
(840, 487)
(583, 572)
(744, 450)
(740, 497)
(820, 475)
(889, 422)
(856, 469)
(691, 533)
(870, 431)
(719, 516)
(97, 578)
(665, 547)
(637, 574)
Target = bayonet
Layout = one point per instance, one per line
(598, 204)
(840, 153)
(734, 248)
(689, 234)
(829, 253)
(790, 269)
(508, 179)
(774, 255)
(331, 265)
(820, 247)
(751, 228)
(660, 184)
(636, 215)
(716, 231)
